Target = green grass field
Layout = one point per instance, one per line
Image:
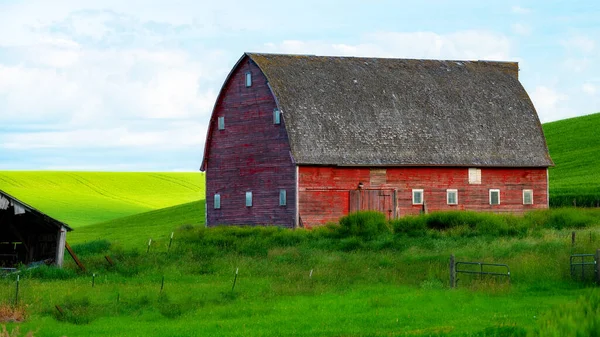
(83, 198)
(367, 285)
(574, 146)
(325, 282)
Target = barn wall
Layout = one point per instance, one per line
(324, 191)
(250, 154)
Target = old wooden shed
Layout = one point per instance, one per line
(300, 140)
(28, 235)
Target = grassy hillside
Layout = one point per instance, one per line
(135, 230)
(574, 146)
(83, 198)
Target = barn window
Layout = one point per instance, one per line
(527, 197)
(248, 199)
(494, 197)
(217, 201)
(248, 79)
(417, 196)
(276, 116)
(221, 123)
(452, 197)
(474, 176)
(282, 198)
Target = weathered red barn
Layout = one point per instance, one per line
(300, 140)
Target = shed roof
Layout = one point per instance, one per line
(19, 207)
(394, 112)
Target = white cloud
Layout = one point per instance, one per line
(577, 65)
(474, 45)
(547, 102)
(173, 135)
(521, 29)
(589, 88)
(103, 86)
(579, 44)
(520, 10)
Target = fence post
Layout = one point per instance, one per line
(573, 238)
(170, 241)
(234, 279)
(597, 266)
(452, 272)
(17, 292)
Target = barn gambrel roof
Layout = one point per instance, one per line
(352, 111)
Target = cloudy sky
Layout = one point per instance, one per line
(128, 85)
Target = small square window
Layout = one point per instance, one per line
(217, 201)
(417, 196)
(452, 197)
(282, 198)
(494, 197)
(221, 123)
(527, 197)
(474, 176)
(248, 199)
(276, 116)
(248, 79)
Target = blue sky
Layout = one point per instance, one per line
(129, 85)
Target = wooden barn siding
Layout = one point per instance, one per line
(323, 191)
(251, 154)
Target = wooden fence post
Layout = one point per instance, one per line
(573, 238)
(452, 272)
(597, 266)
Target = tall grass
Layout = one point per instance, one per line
(581, 318)
(363, 276)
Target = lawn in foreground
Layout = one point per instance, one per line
(389, 284)
(377, 310)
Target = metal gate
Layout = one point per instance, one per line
(491, 269)
(584, 267)
(384, 201)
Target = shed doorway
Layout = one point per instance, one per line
(381, 200)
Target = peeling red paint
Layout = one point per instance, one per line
(324, 192)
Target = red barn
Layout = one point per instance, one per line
(300, 140)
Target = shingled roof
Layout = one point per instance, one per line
(388, 112)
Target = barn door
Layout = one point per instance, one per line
(383, 201)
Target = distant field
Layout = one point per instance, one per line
(83, 198)
(574, 146)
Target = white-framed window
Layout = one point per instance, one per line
(452, 196)
(276, 116)
(221, 122)
(494, 197)
(282, 197)
(527, 197)
(417, 197)
(217, 202)
(248, 79)
(474, 176)
(248, 199)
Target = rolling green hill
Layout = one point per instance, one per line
(574, 146)
(83, 198)
(135, 230)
